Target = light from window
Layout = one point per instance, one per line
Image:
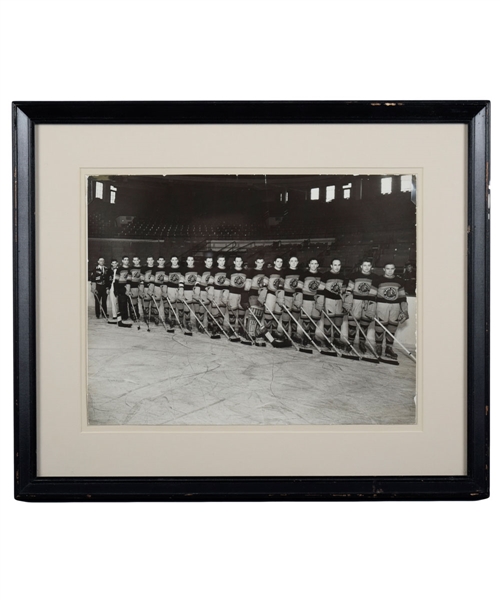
(284, 197)
(330, 193)
(386, 185)
(347, 190)
(112, 197)
(314, 193)
(406, 183)
(99, 187)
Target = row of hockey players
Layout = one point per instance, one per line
(302, 306)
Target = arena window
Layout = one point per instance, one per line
(314, 193)
(112, 194)
(99, 187)
(330, 193)
(386, 185)
(406, 183)
(347, 190)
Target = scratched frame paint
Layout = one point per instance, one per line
(30, 487)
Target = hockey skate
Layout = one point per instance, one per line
(389, 357)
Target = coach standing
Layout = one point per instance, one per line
(98, 287)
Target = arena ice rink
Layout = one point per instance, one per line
(136, 377)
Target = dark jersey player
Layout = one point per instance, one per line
(392, 309)
(98, 287)
(147, 279)
(122, 291)
(204, 292)
(237, 281)
(311, 283)
(359, 302)
(190, 281)
(275, 294)
(332, 289)
(174, 290)
(221, 290)
(292, 297)
(255, 283)
(135, 281)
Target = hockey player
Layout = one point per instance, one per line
(190, 280)
(147, 280)
(275, 294)
(237, 281)
(204, 292)
(98, 287)
(256, 282)
(392, 309)
(221, 290)
(311, 301)
(157, 290)
(111, 291)
(174, 289)
(359, 302)
(292, 296)
(122, 291)
(135, 280)
(333, 289)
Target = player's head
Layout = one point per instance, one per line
(100, 261)
(174, 260)
(335, 266)
(190, 261)
(136, 261)
(313, 265)
(278, 262)
(366, 266)
(125, 260)
(209, 261)
(151, 261)
(114, 263)
(409, 267)
(293, 262)
(259, 263)
(389, 269)
(221, 260)
(238, 262)
(161, 261)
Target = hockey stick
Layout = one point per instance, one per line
(215, 336)
(133, 310)
(302, 349)
(332, 352)
(100, 305)
(245, 341)
(217, 324)
(267, 334)
(350, 346)
(146, 319)
(372, 350)
(159, 315)
(236, 337)
(177, 317)
(296, 346)
(412, 356)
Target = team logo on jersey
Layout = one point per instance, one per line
(314, 285)
(136, 273)
(260, 281)
(160, 277)
(364, 287)
(221, 279)
(390, 293)
(278, 282)
(293, 283)
(191, 279)
(336, 288)
(238, 281)
(174, 278)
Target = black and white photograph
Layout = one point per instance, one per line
(252, 299)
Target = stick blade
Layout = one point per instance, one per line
(215, 336)
(328, 353)
(306, 350)
(388, 361)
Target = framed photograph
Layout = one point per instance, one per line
(251, 300)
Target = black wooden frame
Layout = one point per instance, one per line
(29, 487)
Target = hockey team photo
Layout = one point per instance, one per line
(252, 299)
